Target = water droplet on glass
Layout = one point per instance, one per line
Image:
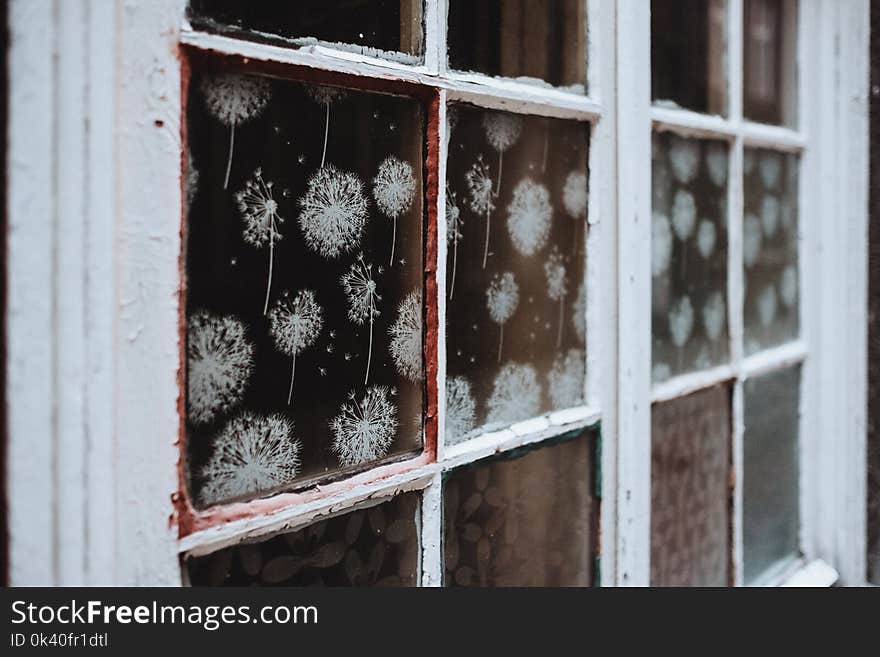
(392, 127)
(233, 262)
(286, 193)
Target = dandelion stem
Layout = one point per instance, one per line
(500, 161)
(229, 159)
(292, 372)
(393, 242)
(326, 132)
(486, 248)
(454, 263)
(271, 261)
(500, 342)
(370, 348)
(559, 331)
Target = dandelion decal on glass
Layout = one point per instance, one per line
(557, 285)
(713, 316)
(716, 163)
(770, 169)
(684, 214)
(661, 243)
(574, 198)
(788, 285)
(259, 211)
(684, 157)
(502, 132)
(453, 232)
(706, 238)
(363, 431)
(295, 325)
(480, 198)
(579, 313)
(234, 99)
(333, 212)
(528, 217)
(220, 360)
(326, 96)
(394, 188)
(363, 299)
(770, 215)
(406, 337)
(767, 305)
(190, 181)
(681, 321)
(752, 238)
(516, 394)
(252, 453)
(502, 298)
(566, 379)
(460, 410)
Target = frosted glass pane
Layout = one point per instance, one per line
(689, 255)
(303, 283)
(770, 471)
(770, 61)
(690, 490)
(541, 40)
(529, 520)
(516, 299)
(378, 546)
(770, 249)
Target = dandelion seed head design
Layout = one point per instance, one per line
(661, 243)
(684, 157)
(333, 212)
(296, 322)
(259, 211)
(363, 431)
(479, 186)
(660, 372)
(406, 337)
(574, 194)
(252, 453)
(516, 394)
(453, 218)
(361, 291)
(461, 410)
(767, 305)
(684, 214)
(770, 215)
(706, 238)
(220, 360)
(528, 216)
(502, 297)
(565, 380)
(190, 180)
(394, 187)
(579, 313)
(788, 286)
(325, 95)
(681, 321)
(786, 214)
(502, 129)
(752, 239)
(232, 98)
(714, 312)
(554, 273)
(770, 169)
(716, 163)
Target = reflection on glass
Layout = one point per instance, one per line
(690, 495)
(304, 278)
(770, 471)
(529, 520)
(391, 29)
(516, 301)
(539, 39)
(689, 255)
(770, 61)
(378, 546)
(688, 54)
(770, 244)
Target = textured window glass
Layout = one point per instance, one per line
(516, 221)
(537, 39)
(380, 28)
(304, 279)
(690, 490)
(689, 255)
(770, 61)
(770, 471)
(688, 54)
(770, 244)
(378, 546)
(527, 520)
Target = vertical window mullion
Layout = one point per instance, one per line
(431, 533)
(435, 35)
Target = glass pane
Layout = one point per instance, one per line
(516, 219)
(378, 546)
(770, 471)
(304, 280)
(391, 29)
(689, 54)
(690, 490)
(770, 61)
(770, 246)
(529, 520)
(541, 40)
(689, 255)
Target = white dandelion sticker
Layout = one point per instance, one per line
(716, 163)
(333, 212)
(461, 410)
(363, 431)
(557, 285)
(661, 243)
(406, 337)
(259, 211)
(480, 198)
(706, 238)
(770, 215)
(502, 298)
(528, 217)
(579, 313)
(502, 132)
(394, 188)
(220, 360)
(565, 381)
(190, 181)
(714, 313)
(684, 214)
(326, 96)
(684, 157)
(363, 298)
(752, 239)
(234, 99)
(770, 169)
(295, 325)
(767, 305)
(574, 198)
(788, 286)
(252, 453)
(681, 321)
(453, 232)
(516, 394)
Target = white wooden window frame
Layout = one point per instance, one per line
(94, 279)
